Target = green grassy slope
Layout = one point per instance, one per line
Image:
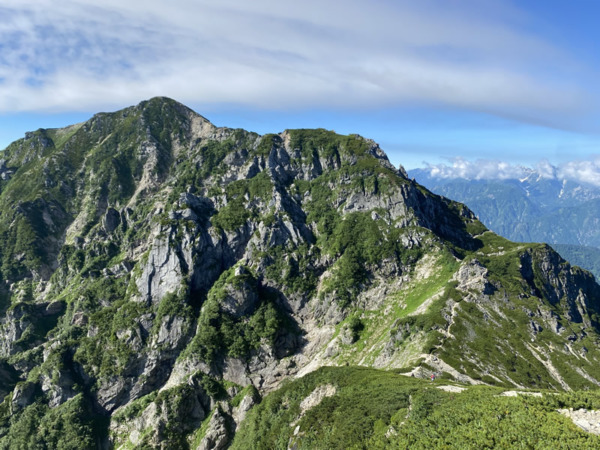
(374, 409)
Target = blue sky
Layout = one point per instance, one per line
(431, 81)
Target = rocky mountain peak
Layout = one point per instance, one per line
(161, 274)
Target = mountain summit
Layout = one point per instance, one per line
(161, 274)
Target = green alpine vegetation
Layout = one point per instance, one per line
(172, 284)
(358, 407)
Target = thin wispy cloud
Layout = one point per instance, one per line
(86, 55)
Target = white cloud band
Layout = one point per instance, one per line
(91, 54)
(586, 172)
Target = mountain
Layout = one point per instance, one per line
(164, 278)
(531, 209)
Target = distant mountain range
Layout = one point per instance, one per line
(532, 208)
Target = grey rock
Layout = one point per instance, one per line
(240, 412)
(172, 331)
(235, 371)
(164, 270)
(111, 220)
(58, 390)
(23, 396)
(112, 392)
(473, 276)
(241, 296)
(79, 319)
(217, 435)
(22, 319)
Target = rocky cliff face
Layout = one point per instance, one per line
(161, 274)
